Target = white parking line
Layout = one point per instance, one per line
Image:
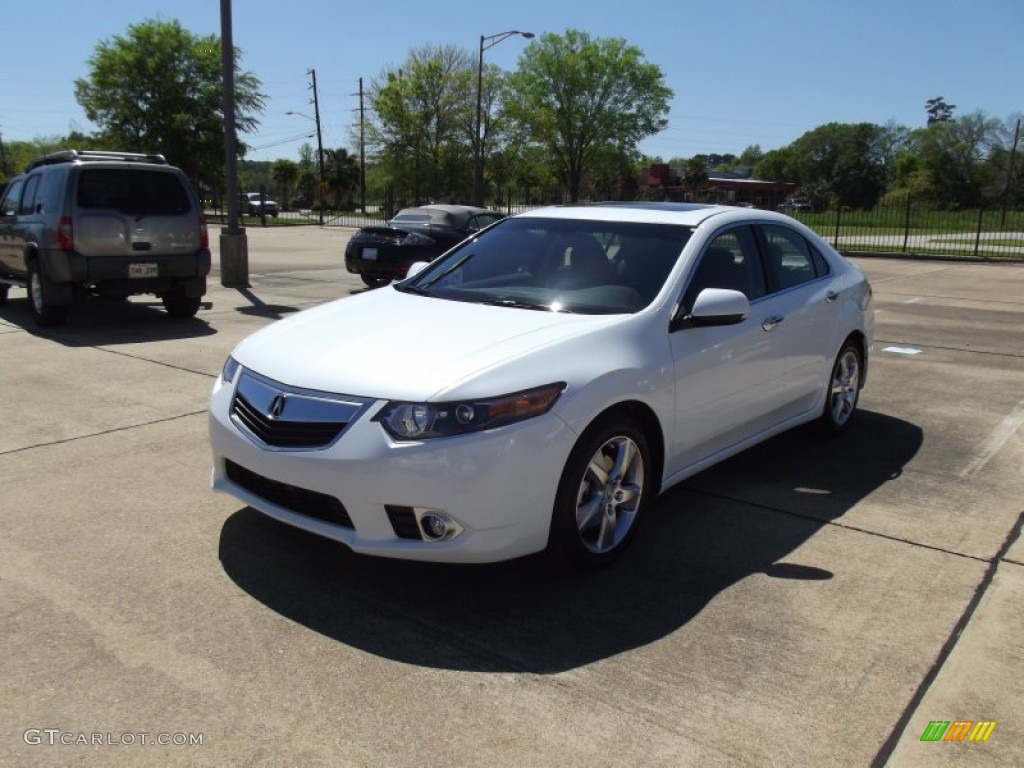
(996, 440)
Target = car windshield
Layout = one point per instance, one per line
(560, 265)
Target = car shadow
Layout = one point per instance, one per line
(530, 615)
(98, 321)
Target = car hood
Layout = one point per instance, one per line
(391, 345)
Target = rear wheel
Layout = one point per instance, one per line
(40, 300)
(4, 288)
(374, 280)
(178, 304)
(844, 389)
(602, 493)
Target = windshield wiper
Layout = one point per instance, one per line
(517, 303)
(412, 289)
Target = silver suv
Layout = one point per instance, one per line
(110, 223)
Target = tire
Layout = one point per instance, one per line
(374, 280)
(602, 494)
(178, 304)
(4, 288)
(843, 389)
(40, 301)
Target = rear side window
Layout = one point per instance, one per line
(132, 191)
(789, 257)
(28, 196)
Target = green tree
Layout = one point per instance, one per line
(421, 117)
(158, 89)
(285, 174)
(580, 96)
(938, 110)
(341, 171)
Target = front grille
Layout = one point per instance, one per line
(285, 434)
(309, 503)
(403, 522)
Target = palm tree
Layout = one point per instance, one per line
(285, 173)
(341, 171)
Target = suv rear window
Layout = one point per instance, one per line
(131, 191)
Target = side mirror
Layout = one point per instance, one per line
(416, 267)
(713, 307)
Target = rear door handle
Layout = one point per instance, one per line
(771, 323)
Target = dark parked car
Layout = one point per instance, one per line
(382, 254)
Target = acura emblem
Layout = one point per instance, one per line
(276, 407)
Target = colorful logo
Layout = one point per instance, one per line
(958, 730)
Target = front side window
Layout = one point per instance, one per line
(28, 195)
(590, 267)
(730, 261)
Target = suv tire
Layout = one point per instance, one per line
(4, 288)
(178, 304)
(40, 301)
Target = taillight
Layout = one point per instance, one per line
(65, 237)
(204, 234)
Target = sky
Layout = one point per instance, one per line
(743, 72)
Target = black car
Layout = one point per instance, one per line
(382, 254)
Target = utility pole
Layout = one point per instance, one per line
(319, 144)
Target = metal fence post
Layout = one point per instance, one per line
(839, 215)
(977, 235)
(906, 225)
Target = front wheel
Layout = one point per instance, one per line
(844, 389)
(4, 288)
(602, 493)
(40, 301)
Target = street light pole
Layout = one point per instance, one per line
(320, 149)
(486, 41)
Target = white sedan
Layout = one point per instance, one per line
(538, 385)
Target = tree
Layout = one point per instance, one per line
(579, 96)
(938, 110)
(341, 171)
(285, 173)
(422, 113)
(158, 89)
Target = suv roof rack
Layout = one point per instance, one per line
(71, 155)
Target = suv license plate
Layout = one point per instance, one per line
(142, 270)
(370, 254)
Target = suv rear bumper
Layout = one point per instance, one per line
(74, 267)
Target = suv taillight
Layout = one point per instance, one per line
(65, 237)
(204, 234)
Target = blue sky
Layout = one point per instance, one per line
(743, 71)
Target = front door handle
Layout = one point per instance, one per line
(772, 323)
(831, 296)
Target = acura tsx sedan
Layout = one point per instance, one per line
(537, 386)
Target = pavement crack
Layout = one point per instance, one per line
(889, 746)
(101, 433)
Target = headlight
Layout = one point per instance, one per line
(419, 421)
(231, 367)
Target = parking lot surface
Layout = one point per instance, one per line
(810, 602)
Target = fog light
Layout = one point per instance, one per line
(437, 526)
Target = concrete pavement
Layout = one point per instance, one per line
(810, 602)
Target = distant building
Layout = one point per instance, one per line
(726, 187)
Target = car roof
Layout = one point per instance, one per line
(676, 214)
(448, 215)
(685, 214)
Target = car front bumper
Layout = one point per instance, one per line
(498, 486)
